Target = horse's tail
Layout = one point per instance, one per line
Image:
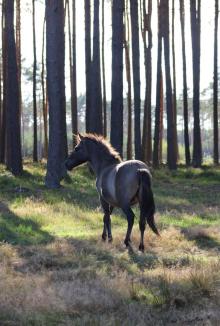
(146, 198)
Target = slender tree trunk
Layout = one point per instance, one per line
(215, 87)
(104, 105)
(156, 147)
(185, 91)
(35, 154)
(174, 80)
(195, 13)
(147, 138)
(55, 45)
(161, 121)
(117, 76)
(3, 119)
(74, 79)
(44, 93)
(128, 76)
(13, 134)
(136, 75)
(88, 62)
(96, 97)
(171, 148)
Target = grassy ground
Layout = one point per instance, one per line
(55, 270)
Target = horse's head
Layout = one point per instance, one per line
(79, 154)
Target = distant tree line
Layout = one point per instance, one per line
(143, 131)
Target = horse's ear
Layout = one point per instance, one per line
(79, 137)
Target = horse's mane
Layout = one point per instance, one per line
(106, 148)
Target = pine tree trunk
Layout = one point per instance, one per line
(104, 105)
(88, 62)
(74, 79)
(147, 138)
(117, 76)
(35, 154)
(13, 134)
(195, 13)
(161, 121)
(55, 45)
(3, 116)
(157, 131)
(174, 80)
(185, 91)
(44, 107)
(128, 76)
(96, 95)
(171, 148)
(136, 75)
(215, 87)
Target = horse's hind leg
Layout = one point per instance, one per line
(142, 226)
(130, 217)
(106, 220)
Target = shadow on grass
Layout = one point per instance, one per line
(202, 239)
(16, 230)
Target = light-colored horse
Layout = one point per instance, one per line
(119, 184)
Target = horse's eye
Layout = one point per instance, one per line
(77, 148)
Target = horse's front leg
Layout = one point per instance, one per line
(130, 218)
(106, 220)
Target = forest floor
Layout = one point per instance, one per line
(55, 270)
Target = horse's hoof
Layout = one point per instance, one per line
(127, 243)
(110, 239)
(104, 237)
(141, 247)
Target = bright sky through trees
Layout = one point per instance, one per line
(207, 20)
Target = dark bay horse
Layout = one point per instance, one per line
(119, 184)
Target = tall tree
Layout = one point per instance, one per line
(96, 97)
(174, 78)
(117, 76)
(72, 66)
(55, 55)
(128, 76)
(44, 96)
(156, 147)
(171, 148)
(136, 75)
(147, 138)
(3, 108)
(13, 133)
(195, 14)
(87, 6)
(185, 91)
(104, 104)
(215, 87)
(35, 154)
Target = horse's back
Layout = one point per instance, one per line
(119, 183)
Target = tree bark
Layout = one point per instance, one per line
(136, 75)
(156, 147)
(104, 105)
(74, 79)
(13, 134)
(88, 62)
(128, 76)
(171, 148)
(185, 91)
(44, 107)
(117, 76)
(96, 95)
(195, 14)
(215, 88)
(35, 153)
(147, 138)
(3, 114)
(55, 45)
